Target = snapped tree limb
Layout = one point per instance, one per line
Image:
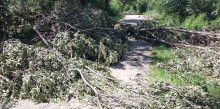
(201, 33)
(88, 84)
(42, 38)
(172, 44)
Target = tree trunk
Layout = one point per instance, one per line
(83, 2)
(172, 44)
(201, 33)
(107, 5)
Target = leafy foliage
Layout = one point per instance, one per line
(189, 14)
(28, 70)
(195, 23)
(186, 8)
(44, 75)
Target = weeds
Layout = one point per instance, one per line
(195, 23)
(171, 68)
(161, 53)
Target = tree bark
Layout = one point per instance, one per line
(83, 2)
(201, 33)
(42, 38)
(107, 5)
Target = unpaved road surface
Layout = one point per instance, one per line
(136, 62)
(72, 104)
(132, 19)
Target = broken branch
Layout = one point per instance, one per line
(42, 38)
(178, 44)
(99, 74)
(88, 84)
(209, 34)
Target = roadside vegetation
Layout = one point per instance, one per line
(194, 63)
(185, 68)
(197, 74)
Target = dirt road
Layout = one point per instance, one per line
(136, 62)
(132, 19)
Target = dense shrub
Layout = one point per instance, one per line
(191, 14)
(215, 24)
(185, 8)
(195, 23)
(141, 6)
(129, 8)
(116, 7)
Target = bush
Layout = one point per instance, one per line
(141, 6)
(116, 7)
(215, 24)
(197, 23)
(130, 8)
(167, 20)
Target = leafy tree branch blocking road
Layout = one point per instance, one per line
(67, 53)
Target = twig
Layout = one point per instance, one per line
(99, 28)
(13, 80)
(99, 74)
(5, 78)
(184, 98)
(88, 84)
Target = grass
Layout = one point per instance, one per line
(213, 88)
(162, 54)
(178, 77)
(181, 78)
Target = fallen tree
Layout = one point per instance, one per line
(172, 44)
(201, 33)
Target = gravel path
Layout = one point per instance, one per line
(136, 62)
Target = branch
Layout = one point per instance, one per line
(178, 44)
(184, 98)
(13, 80)
(88, 84)
(79, 71)
(5, 78)
(42, 38)
(99, 74)
(78, 29)
(209, 34)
